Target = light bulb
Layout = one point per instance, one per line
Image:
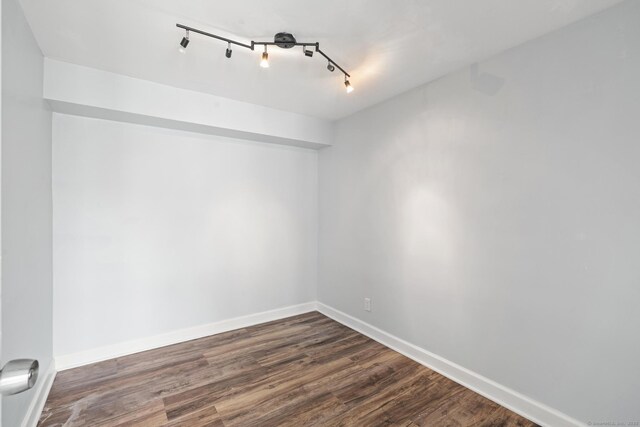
(348, 86)
(265, 60)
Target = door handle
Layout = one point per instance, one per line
(18, 375)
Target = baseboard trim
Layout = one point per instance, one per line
(510, 399)
(43, 387)
(87, 357)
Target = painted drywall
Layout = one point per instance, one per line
(158, 230)
(78, 90)
(26, 207)
(0, 197)
(492, 217)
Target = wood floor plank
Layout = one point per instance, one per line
(205, 417)
(401, 404)
(306, 370)
(274, 390)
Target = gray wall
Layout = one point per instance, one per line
(26, 205)
(493, 216)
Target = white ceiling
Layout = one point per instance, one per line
(387, 46)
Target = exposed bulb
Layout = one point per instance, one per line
(348, 86)
(265, 60)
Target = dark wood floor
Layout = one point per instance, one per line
(304, 370)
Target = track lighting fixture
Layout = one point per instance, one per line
(184, 42)
(282, 40)
(347, 85)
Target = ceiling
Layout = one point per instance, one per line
(387, 46)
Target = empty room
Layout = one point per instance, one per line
(320, 213)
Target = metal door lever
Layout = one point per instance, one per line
(18, 375)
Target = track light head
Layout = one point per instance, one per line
(184, 43)
(330, 67)
(264, 63)
(347, 85)
(229, 51)
(307, 52)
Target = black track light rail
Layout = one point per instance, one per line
(224, 39)
(253, 44)
(331, 60)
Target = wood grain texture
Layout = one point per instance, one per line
(300, 371)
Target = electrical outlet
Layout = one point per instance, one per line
(367, 304)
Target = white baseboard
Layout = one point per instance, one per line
(43, 386)
(516, 402)
(74, 360)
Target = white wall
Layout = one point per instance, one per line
(157, 230)
(78, 90)
(493, 217)
(0, 196)
(26, 207)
